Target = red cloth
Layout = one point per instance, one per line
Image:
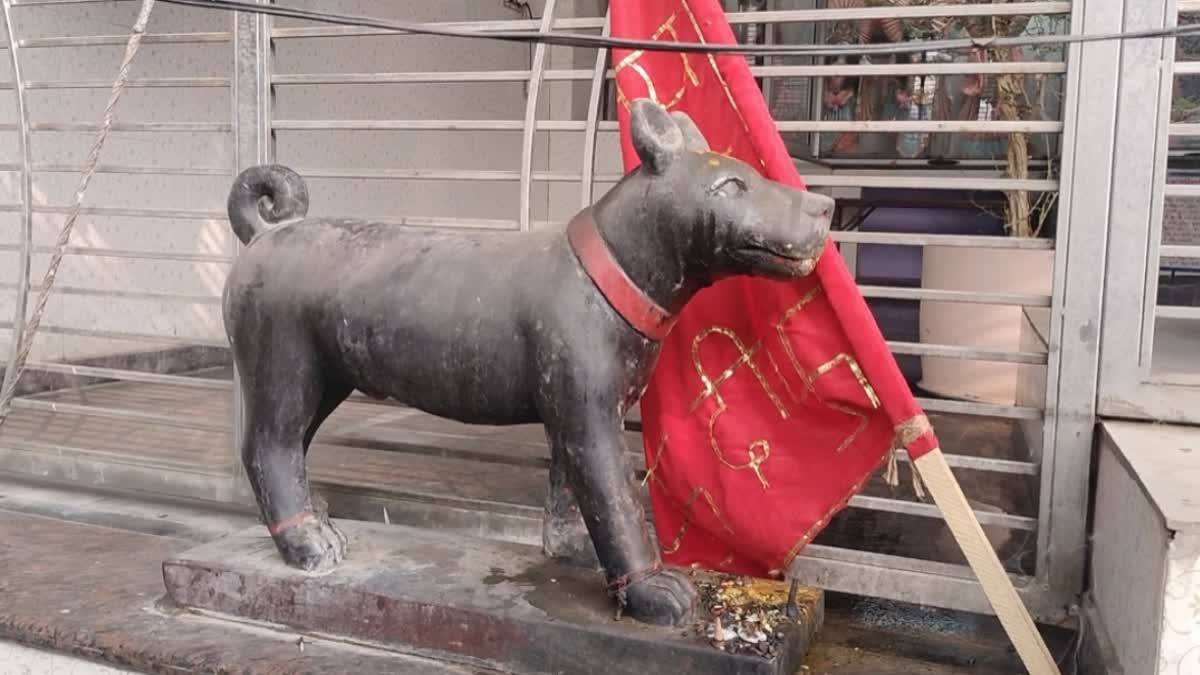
(772, 402)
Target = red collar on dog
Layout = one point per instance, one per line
(643, 313)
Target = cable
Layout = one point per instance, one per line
(567, 39)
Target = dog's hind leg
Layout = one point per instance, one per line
(285, 394)
(333, 394)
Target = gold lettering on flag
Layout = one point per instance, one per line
(631, 61)
(758, 451)
(651, 471)
(688, 509)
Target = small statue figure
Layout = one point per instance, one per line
(560, 327)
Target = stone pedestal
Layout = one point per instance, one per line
(495, 604)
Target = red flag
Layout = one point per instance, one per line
(772, 402)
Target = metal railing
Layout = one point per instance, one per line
(1153, 330)
(555, 150)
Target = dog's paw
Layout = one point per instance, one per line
(665, 599)
(313, 546)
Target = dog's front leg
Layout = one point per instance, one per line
(590, 448)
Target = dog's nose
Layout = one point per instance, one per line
(816, 205)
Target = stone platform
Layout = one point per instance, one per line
(493, 604)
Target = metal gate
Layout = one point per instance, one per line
(467, 134)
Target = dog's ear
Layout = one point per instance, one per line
(656, 137)
(693, 140)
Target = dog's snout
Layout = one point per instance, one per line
(816, 205)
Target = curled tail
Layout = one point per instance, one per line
(263, 196)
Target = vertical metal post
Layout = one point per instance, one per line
(537, 70)
(599, 81)
(252, 145)
(26, 254)
(1090, 115)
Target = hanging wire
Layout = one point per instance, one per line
(568, 39)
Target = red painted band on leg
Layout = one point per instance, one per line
(289, 522)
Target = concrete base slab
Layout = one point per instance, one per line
(495, 604)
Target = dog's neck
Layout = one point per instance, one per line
(640, 269)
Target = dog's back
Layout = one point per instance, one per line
(436, 319)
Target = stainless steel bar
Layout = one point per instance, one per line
(426, 77)
(419, 77)
(938, 295)
(117, 414)
(966, 240)
(104, 40)
(486, 175)
(1102, 81)
(308, 32)
(254, 143)
(25, 257)
(587, 179)
(128, 253)
(472, 76)
(155, 127)
(890, 577)
(936, 182)
(876, 69)
(1179, 251)
(1181, 190)
(134, 169)
(1184, 130)
(129, 212)
(957, 9)
(890, 180)
(1177, 312)
(114, 470)
(966, 353)
(989, 464)
(132, 376)
(981, 409)
(770, 17)
(921, 126)
(128, 295)
(922, 164)
(1005, 520)
(133, 83)
(1186, 68)
(532, 94)
(425, 125)
(885, 561)
(127, 336)
(36, 3)
(463, 223)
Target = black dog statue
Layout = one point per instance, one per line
(560, 327)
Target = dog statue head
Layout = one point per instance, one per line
(719, 211)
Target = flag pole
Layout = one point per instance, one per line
(997, 586)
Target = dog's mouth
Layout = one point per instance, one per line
(773, 262)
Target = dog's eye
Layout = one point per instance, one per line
(728, 186)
